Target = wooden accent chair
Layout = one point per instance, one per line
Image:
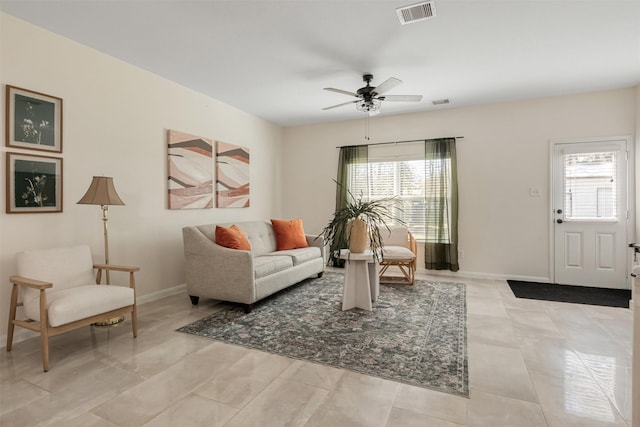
(399, 251)
(58, 293)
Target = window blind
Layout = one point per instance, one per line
(408, 181)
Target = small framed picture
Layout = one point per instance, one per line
(34, 183)
(34, 120)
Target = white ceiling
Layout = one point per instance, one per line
(273, 58)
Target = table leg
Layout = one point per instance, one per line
(374, 280)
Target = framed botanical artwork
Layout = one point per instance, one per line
(34, 120)
(34, 183)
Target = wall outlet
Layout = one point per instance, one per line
(460, 254)
(534, 191)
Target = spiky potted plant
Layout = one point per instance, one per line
(357, 225)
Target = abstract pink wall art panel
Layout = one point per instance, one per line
(232, 182)
(190, 171)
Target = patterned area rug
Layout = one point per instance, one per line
(415, 334)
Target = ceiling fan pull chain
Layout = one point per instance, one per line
(366, 127)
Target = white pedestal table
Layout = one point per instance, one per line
(361, 281)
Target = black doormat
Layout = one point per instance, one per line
(570, 293)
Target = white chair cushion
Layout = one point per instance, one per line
(68, 305)
(396, 253)
(64, 267)
(397, 235)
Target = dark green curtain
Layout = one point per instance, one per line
(347, 157)
(441, 246)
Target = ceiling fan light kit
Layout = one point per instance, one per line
(368, 106)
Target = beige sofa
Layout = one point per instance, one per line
(213, 271)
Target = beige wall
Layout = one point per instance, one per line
(115, 122)
(505, 151)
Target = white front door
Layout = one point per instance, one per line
(590, 213)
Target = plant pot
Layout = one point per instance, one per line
(358, 236)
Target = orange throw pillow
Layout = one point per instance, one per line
(289, 234)
(232, 238)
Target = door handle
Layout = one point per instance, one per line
(559, 221)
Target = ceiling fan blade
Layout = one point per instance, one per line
(338, 105)
(344, 92)
(386, 85)
(402, 98)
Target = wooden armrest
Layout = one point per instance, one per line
(113, 267)
(413, 245)
(30, 283)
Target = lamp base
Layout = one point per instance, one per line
(110, 322)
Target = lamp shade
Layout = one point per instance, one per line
(101, 192)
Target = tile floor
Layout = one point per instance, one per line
(531, 363)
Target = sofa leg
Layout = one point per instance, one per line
(247, 308)
(320, 274)
(194, 299)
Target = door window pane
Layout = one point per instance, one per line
(590, 186)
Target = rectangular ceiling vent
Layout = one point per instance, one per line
(416, 12)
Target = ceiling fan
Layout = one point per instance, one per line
(369, 98)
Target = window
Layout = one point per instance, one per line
(590, 187)
(407, 177)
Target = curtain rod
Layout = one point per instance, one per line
(397, 142)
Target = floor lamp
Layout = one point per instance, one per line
(102, 192)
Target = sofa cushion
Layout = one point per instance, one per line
(397, 252)
(232, 238)
(299, 255)
(260, 235)
(289, 234)
(266, 265)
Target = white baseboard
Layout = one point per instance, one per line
(153, 296)
(476, 275)
(21, 334)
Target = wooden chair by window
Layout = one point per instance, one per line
(398, 253)
(58, 294)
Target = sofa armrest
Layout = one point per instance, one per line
(213, 271)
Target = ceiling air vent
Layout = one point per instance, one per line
(440, 101)
(416, 12)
